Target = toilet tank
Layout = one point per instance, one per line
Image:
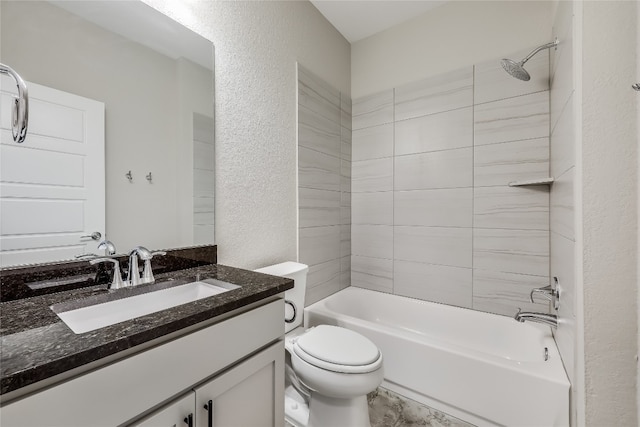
(294, 298)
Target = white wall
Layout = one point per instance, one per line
(447, 38)
(257, 46)
(609, 160)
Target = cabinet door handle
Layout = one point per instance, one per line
(209, 407)
(189, 420)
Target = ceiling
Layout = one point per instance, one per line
(358, 19)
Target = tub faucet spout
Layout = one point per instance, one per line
(528, 316)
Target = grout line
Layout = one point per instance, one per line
(473, 179)
(393, 194)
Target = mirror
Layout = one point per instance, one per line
(120, 138)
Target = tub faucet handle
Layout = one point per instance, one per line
(549, 293)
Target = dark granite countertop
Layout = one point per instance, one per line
(35, 344)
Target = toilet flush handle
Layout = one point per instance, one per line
(290, 315)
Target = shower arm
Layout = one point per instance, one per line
(20, 107)
(538, 49)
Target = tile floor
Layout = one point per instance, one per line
(388, 409)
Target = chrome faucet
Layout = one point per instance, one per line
(107, 246)
(133, 275)
(549, 293)
(528, 316)
(117, 282)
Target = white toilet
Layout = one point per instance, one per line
(329, 369)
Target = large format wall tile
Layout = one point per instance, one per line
(499, 292)
(345, 240)
(448, 285)
(323, 273)
(433, 245)
(322, 291)
(513, 119)
(372, 175)
(319, 244)
(562, 262)
(345, 270)
(345, 109)
(511, 207)
(511, 251)
(315, 102)
(372, 273)
(324, 185)
(318, 133)
(562, 257)
(562, 79)
(372, 208)
(440, 169)
(443, 92)
(443, 131)
(346, 145)
(431, 204)
(442, 208)
(318, 207)
(373, 110)
(500, 164)
(318, 170)
(563, 141)
(492, 82)
(345, 177)
(373, 143)
(320, 88)
(375, 241)
(562, 205)
(563, 30)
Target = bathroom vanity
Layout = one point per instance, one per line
(203, 363)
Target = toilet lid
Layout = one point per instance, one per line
(337, 349)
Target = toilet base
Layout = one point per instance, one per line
(296, 409)
(328, 411)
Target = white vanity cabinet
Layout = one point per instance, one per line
(244, 395)
(178, 413)
(237, 363)
(248, 394)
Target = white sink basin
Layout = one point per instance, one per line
(98, 316)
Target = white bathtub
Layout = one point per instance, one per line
(482, 368)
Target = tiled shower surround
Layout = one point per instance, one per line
(433, 216)
(324, 185)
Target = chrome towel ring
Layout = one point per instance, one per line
(20, 107)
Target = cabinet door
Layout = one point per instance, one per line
(179, 413)
(250, 394)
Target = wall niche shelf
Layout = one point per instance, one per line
(539, 181)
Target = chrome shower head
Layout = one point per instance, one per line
(515, 69)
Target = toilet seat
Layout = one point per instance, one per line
(338, 349)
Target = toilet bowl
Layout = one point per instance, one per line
(329, 369)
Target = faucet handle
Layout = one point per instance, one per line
(107, 246)
(548, 293)
(117, 282)
(142, 252)
(147, 273)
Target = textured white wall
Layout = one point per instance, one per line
(609, 212)
(257, 46)
(447, 38)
